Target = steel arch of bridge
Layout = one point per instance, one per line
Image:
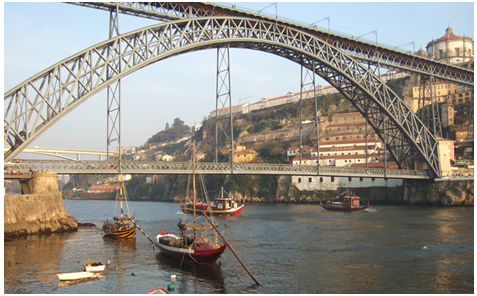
(36, 104)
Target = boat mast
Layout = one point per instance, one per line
(193, 176)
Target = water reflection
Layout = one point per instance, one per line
(32, 259)
(211, 278)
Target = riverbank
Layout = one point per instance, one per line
(447, 192)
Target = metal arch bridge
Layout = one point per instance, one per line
(181, 168)
(39, 102)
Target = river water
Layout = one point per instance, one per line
(290, 249)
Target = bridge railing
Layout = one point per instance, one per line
(208, 168)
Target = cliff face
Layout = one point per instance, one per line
(447, 193)
(40, 211)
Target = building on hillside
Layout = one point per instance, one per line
(311, 183)
(224, 112)
(451, 49)
(294, 151)
(335, 160)
(196, 127)
(103, 188)
(167, 158)
(245, 155)
(237, 148)
(461, 134)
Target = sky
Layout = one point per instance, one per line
(39, 34)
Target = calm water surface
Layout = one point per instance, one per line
(288, 248)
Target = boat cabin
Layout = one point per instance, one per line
(225, 203)
(351, 201)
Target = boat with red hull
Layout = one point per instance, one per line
(350, 203)
(194, 243)
(221, 206)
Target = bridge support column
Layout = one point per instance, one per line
(114, 91)
(223, 98)
(308, 91)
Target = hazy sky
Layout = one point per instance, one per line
(39, 34)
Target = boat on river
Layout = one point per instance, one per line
(197, 243)
(349, 203)
(71, 276)
(221, 206)
(123, 225)
(94, 266)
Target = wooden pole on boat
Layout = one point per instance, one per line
(193, 179)
(232, 249)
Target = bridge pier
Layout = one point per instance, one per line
(39, 209)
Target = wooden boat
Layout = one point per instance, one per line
(349, 203)
(71, 276)
(221, 206)
(122, 226)
(159, 289)
(94, 266)
(196, 246)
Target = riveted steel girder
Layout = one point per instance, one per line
(365, 52)
(36, 104)
(207, 168)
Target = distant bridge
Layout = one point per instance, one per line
(207, 168)
(57, 152)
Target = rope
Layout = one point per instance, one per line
(137, 226)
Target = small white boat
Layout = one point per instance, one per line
(75, 275)
(94, 266)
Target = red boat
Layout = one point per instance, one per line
(350, 203)
(221, 206)
(194, 247)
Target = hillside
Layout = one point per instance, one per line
(270, 132)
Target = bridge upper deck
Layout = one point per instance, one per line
(371, 53)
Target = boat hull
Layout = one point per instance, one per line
(187, 209)
(342, 208)
(94, 266)
(202, 255)
(75, 276)
(121, 232)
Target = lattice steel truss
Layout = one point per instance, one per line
(113, 125)
(185, 168)
(428, 106)
(223, 109)
(309, 113)
(365, 52)
(33, 106)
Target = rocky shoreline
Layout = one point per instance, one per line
(446, 193)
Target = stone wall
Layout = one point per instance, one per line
(41, 211)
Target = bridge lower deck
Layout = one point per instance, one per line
(206, 168)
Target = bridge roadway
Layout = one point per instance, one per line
(207, 168)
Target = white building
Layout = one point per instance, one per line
(452, 49)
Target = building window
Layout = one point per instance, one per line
(299, 180)
(349, 179)
(321, 179)
(361, 178)
(372, 179)
(309, 180)
(332, 179)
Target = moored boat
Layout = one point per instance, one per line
(349, 203)
(221, 206)
(194, 244)
(122, 226)
(94, 266)
(71, 276)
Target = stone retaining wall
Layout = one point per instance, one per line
(40, 211)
